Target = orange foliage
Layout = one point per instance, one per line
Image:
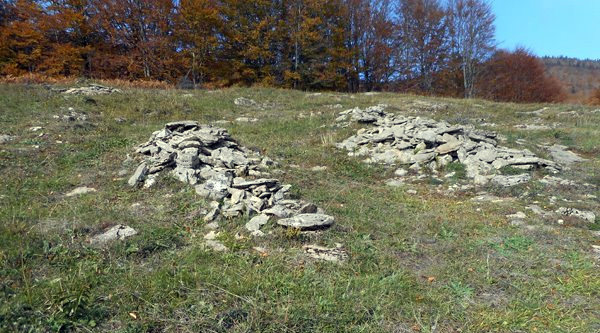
(595, 98)
(422, 46)
(520, 77)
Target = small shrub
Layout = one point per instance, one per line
(458, 168)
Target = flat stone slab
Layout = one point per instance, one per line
(307, 221)
(257, 222)
(581, 214)
(80, 191)
(563, 156)
(335, 254)
(117, 232)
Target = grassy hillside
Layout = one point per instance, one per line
(434, 261)
(579, 78)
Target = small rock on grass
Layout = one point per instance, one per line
(117, 232)
(216, 246)
(307, 221)
(336, 254)
(80, 190)
(581, 214)
(257, 222)
(318, 168)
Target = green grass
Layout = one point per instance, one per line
(425, 262)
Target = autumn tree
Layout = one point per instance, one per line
(137, 39)
(595, 98)
(199, 27)
(23, 41)
(423, 35)
(472, 37)
(371, 43)
(518, 76)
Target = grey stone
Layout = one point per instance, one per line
(307, 221)
(581, 214)
(6, 138)
(139, 175)
(336, 254)
(448, 147)
(257, 222)
(511, 180)
(117, 232)
(563, 156)
(216, 246)
(80, 191)
(243, 101)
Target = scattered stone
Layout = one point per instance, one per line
(92, 89)
(139, 175)
(80, 191)
(517, 215)
(117, 232)
(556, 181)
(394, 182)
(422, 142)
(596, 251)
(307, 221)
(6, 138)
(581, 214)
(486, 197)
(246, 120)
(413, 192)
(563, 156)
(533, 127)
(35, 128)
(257, 222)
(318, 168)
(400, 172)
(212, 235)
(73, 116)
(216, 245)
(511, 180)
(243, 101)
(335, 254)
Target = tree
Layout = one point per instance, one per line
(518, 76)
(198, 29)
(371, 43)
(137, 39)
(423, 34)
(595, 98)
(23, 41)
(472, 31)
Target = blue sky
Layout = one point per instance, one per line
(550, 27)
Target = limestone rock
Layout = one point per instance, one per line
(80, 190)
(335, 254)
(307, 221)
(511, 180)
(6, 138)
(139, 175)
(257, 222)
(92, 89)
(563, 156)
(117, 232)
(581, 214)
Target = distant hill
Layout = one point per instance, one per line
(578, 77)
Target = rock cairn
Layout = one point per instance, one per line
(422, 142)
(90, 90)
(234, 177)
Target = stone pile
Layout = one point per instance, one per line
(90, 90)
(234, 177)
(421, 142)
